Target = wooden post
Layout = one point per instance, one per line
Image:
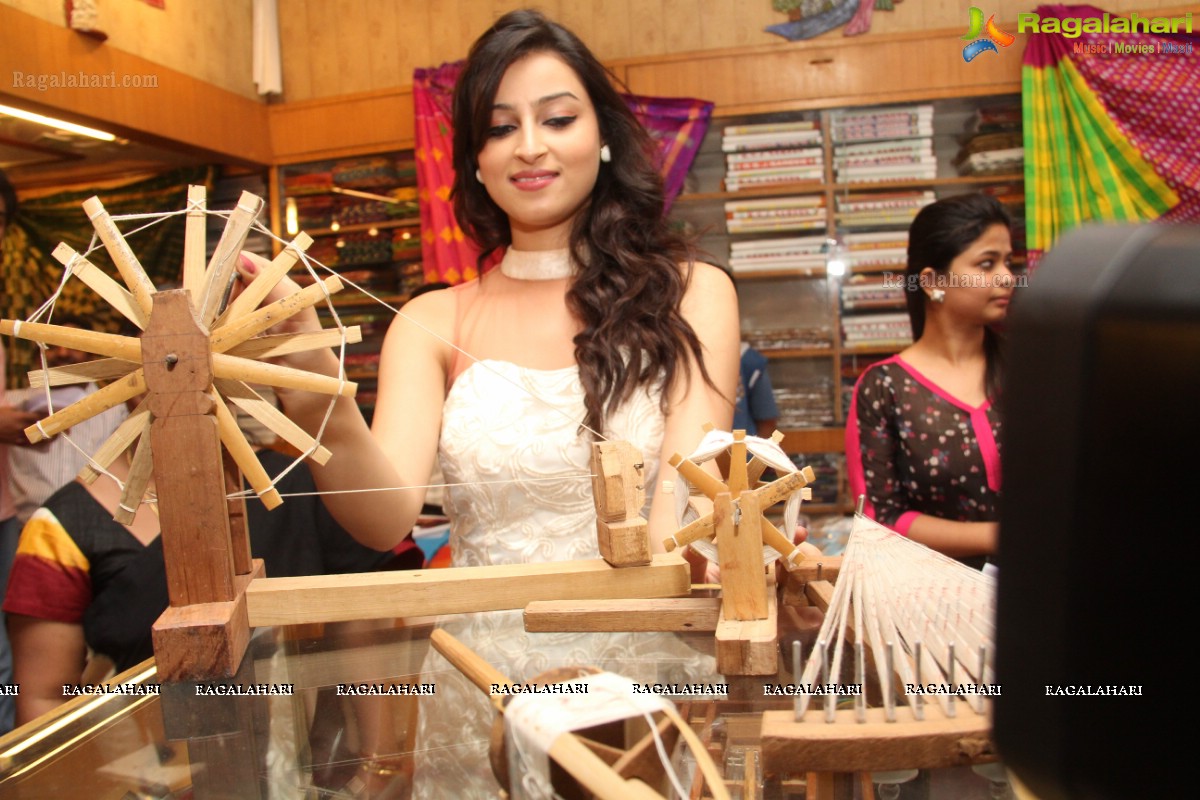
(205, 631)
(619, 490)
(739, 546)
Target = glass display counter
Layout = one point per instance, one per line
(301, 726)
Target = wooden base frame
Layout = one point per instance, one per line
(338, 598)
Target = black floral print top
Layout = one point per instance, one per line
(913, 449)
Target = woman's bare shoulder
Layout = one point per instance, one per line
(435, 308)
(708, 284)
(427, 321)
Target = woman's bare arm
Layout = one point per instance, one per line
(362, 478)
(46, 655)
(710, 307)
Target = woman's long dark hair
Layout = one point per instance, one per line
(628, 287)
(939, 233)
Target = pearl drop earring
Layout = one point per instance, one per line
(605, 154)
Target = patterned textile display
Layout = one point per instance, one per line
(677, 125)
(31, 275)
(1111, 128)
(448, 254)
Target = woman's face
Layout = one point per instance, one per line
(979, 283)
(541, 153)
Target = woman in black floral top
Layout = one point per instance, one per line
(922, 439)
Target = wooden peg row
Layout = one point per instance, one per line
(99, 282)
(266, 280)
(122, 255)
(127, 348)
(219, 277)
(101, 369)
(233, 334)
(195, 241)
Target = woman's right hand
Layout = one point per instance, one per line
(321, 361)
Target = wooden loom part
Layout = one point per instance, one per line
(602, 771)
(205, 630)
(923, 739)
(745, 617)
(184, 421)
(747, 627)
(619, 492)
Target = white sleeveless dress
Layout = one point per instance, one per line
(504, 423)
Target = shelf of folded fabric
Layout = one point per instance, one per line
(808, 342)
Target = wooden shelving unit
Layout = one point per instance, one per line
(807, 296)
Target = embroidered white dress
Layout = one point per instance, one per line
(504, 423)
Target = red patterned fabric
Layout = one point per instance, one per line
(447, 253)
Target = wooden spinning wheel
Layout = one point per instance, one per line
(745, 543)
(747, 628)
(199, 353)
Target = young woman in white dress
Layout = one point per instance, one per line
(553, 169)
(597, 321)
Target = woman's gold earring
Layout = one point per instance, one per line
(605, 154)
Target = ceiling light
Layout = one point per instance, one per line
(292, 217)
(57, 124)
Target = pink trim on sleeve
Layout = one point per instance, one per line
(854, 466)
(905, 521)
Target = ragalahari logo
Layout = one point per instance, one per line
(991, 36)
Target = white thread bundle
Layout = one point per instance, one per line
(935, 611)
(532, 723)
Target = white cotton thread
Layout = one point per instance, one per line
(916, 601)
(533, 722)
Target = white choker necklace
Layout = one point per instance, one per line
(537, 265)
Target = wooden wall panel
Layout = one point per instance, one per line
(682, 26)
(407, 41)
(348, 125)
(325, 49)
(615, 29)
(293, 28)
(610, 34)
(430, 34)
(180, 111)
(359, 56)
(207, 41)
(822, 74)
